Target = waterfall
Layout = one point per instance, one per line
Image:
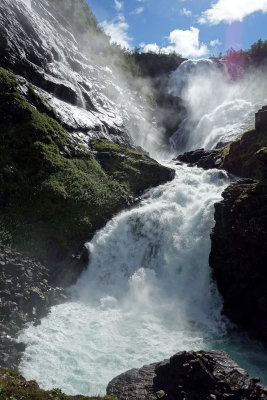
(148, 291)
(219, 108)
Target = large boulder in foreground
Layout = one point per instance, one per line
(238, 254)
(192, 375)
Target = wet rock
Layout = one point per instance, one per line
(134, 384)
(261, 118)
(238, 254)
(188, 375)
(25, 297)
(246, 156)
(202, 158)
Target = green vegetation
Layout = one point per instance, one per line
(134, 171)
(255, 56)
(14, 387)
(52, 190)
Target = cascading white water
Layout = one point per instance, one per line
(219, 109)
(148, 291)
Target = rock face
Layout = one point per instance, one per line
(40, 44)
(134, 384)
(202, 158)
(57, 186)
(199, 375)
(246, 157)
(55, 192)
(238, 254)
(26, 296)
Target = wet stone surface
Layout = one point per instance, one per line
(188, 376)
(25, 296)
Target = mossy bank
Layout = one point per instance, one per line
(54, 192)
(14, 386)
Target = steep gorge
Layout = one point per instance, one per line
(74, 140)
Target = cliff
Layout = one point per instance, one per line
(62, 175)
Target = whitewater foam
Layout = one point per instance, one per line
(146, 294)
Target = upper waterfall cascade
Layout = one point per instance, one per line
(90, 97)
(219, 108)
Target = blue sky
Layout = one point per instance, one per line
(193, 28)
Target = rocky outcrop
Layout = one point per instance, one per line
(55, 193)
(42, 42)
(134, 384)
(198, 375)
(238, 254)
(26, 296)
(202, 158)
(245, 157)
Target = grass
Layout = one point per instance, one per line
(14, 387)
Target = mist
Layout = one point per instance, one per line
(219, 107)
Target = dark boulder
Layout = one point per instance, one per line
(188, 375)
(202, 158)
(246, 156)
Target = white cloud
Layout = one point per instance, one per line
(187, 42)
(137, 11)
(184, 11)
(182, 42)
(215, 42)
(231, 10)
(117, 29)
(118, 5)
(152, 47)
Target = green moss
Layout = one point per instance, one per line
(225, 151)
(134, 171)
(51, 188)
(14, 387)
(243, 156)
